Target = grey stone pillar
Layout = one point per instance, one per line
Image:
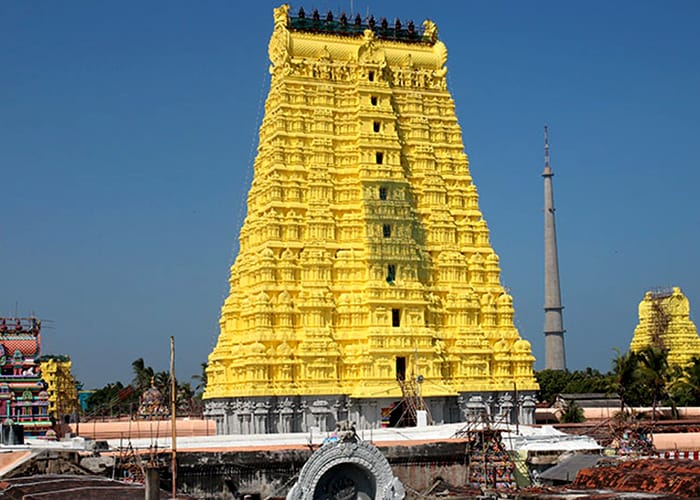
(246, 412)
(260, 418)
(505, 409)
(286, 416)
(474, 409)
(373, 418)
(303, 416)
(527, 409)
(319, 413)
(228, 421)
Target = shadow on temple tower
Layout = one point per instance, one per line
(366, 287)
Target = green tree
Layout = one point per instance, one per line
(586, 381)
(112, 399)
(624, 376)
(161, 381)
(573, 413)
(103, 396)
(142, 375)
(552, 383)
(201, 381)
(684, 388)
(184, 391)
(654, 372)
(555, 382)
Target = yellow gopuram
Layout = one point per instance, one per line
(60, 385)
(664, 321)
(365, 287)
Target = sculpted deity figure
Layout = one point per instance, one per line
(281, 15)
(430, 30)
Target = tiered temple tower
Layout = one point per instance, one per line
(24, 398)
(664, 322)
(60, 384)
(365, 276)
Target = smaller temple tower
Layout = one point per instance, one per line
(555, 357)
(60, 384)
(24, 399)
(664, 322)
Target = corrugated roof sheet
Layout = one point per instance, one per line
(567, 470)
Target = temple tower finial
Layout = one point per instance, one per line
(555, 357)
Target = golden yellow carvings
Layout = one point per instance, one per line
(664, 321)
(363, 253)
(63, 395)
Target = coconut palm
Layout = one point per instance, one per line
(573, 413)
(685, 386)
(142, 375)
(655, 372)
(692, 380)
(201, 380)
(624, 375)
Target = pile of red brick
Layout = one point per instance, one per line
(675, 477)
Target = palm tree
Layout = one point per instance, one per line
(624, 374)
(685, 383)
(161, 380)
(142, 375)
(692, 380)
(201, 381)
(573, 413)
(654, 370)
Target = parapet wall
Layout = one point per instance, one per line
(271, 473)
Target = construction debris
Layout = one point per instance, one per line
(678, 477)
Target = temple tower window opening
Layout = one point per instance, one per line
(400, 368)
(390, 273)
(396, 318)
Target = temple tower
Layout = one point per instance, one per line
(664, 323)
(365, 277)
(555, 357)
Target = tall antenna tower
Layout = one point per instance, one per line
(555, 357)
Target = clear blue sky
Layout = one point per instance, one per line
(127, 133)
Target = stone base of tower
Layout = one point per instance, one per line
(272, 415)
(555, 357)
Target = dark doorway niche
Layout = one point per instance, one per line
(400, 368)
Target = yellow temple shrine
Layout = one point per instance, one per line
(664, 321)
(60, 385)
(365, 285)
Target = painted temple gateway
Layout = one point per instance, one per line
(365, 281)
(23, 396)
(34, 389)
(664, 321)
